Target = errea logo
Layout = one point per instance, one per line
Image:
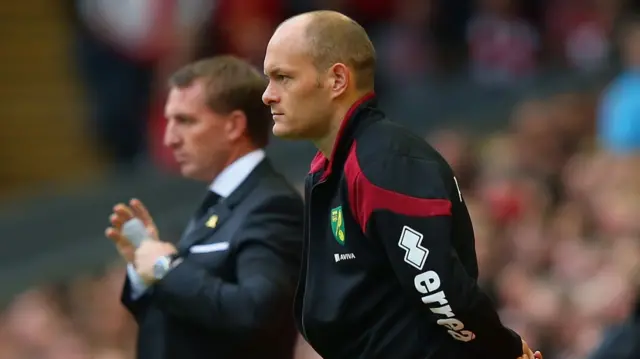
(411, 242)
(428, 285)
(343, 256)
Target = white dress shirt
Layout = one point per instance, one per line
(223, 185)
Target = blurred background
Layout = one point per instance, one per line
(536, 104)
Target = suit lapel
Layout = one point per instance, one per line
(203, 228)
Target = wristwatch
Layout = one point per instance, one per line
(163, 265)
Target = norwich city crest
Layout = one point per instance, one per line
(337, 224)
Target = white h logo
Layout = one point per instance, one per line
(411, 242)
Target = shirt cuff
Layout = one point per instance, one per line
(138, 287)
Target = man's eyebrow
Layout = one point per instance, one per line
(181, 117)
(272, 70)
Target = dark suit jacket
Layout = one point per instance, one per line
(234, 302)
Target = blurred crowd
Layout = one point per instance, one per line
(554, 196)
(124, 52)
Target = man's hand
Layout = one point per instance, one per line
(536, 355)
(146, 256)
(121, 214)
(527, 353)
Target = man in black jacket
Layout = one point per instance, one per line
(389, 264)
(225, 290)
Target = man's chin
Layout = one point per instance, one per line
(188, 171)
(286, 133)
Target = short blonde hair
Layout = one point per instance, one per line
(335, 38)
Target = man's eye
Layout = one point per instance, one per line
(184, 120)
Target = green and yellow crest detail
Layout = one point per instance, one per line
(337, 225)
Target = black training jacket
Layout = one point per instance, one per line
(389, 266)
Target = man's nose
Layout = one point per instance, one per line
(269, 96)
(171, 138)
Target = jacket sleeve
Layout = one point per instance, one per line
(133, 297)
(267, 261)
(404, 203)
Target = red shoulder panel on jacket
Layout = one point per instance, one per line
(366, 197)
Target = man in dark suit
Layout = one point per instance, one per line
(225, 290)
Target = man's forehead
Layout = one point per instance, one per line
(288, 46)
(284, 58)
(191, 96)
(289, 35)
(294, 27)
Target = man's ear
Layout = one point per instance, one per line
(340, 79)
(236, 125)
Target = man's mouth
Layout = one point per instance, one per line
(180, 158)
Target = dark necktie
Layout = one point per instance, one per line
(209, 201)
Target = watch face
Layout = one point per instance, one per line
(161, 267)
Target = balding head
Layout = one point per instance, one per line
(330, 37)
(318, 64)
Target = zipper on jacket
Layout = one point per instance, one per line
(308, 234)
(308, 240)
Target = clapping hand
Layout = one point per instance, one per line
(121, 214)
(144, 257)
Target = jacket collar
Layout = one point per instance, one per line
(344, 139)
(234, 174)
(262, 169)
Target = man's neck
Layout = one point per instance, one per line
(235, 154)
(326, 143)
(239, 152)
